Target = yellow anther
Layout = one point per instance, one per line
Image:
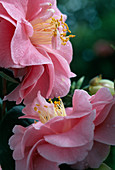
(35, 108)
(37, 104)
(50, 100)
(59, 98)
(61, 19)
(50, 4)
(35, 121)
(69, 31)
(72, 36)
(39, 111)
(63, 43)
(45, 106)
(64, 30)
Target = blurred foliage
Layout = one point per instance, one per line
(93, 23)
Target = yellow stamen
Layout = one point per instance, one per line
(44, 31)
(35, 108)
(45, 115)
(37, 104)
(45, 106)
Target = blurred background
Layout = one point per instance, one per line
(93, 23)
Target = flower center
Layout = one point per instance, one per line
(47, 112)
(49, 30)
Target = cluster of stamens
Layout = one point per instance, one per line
(64, 30)
(44, 31)
(45, 113)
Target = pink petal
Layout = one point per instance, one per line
(37, 131)
(16, 9)
(72, 138)
(105, 132)
(15, 142)
(95, 157)
(38, 161)
(101, 101)
(101, 95)
(63, 155)
(81, 104)
(43, 85)
(33, 9)
(23, 52)
(14, 95)
(21, 164)
(62, 76)
(6, 33)
(6, 16)
(31, 79)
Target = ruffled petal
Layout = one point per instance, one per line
(23, 52)
(71, 137)
(105, 132)
(16, 9)
(6, 33)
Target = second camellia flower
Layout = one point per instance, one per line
(60, 136)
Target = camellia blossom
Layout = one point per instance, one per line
(26, 27)
(35, 46)
(60, 136)
(104, 134)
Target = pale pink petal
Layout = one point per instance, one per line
(57, 11)
(102, 112)
(30, 80)
(6, 16)
(61, 86)
(105, 132)
(73, 138)
(101, 95)
(16, 9)
(63, 155)
(15, 142)
(43, 164)
(62, 76)
(23, 52)
(65, 51)
(43, 85)
(37, 132)
(21, 164)
(6, 33)
(95, 157)
(33, 9)
(29, 109)
(14, 95)
(81, 103)
(102, 102)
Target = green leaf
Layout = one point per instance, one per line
(103, 167)
(80, 82)
(6, 126)
(7, 77)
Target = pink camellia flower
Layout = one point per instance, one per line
(34, 43)
(104, 134)
(60, 136)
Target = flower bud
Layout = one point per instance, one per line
(97, 82)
